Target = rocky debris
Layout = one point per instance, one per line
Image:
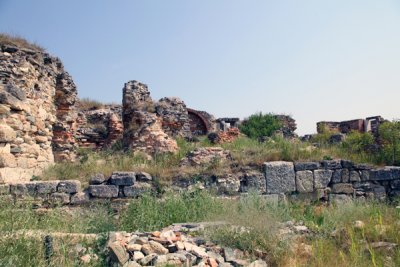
(37, 113)
(280, 177)
(228, 136)
(143, 130)
(171, 246)
(206, 155)
(174, 117)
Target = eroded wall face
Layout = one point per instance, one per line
(36, 99)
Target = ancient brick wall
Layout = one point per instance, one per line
(37, 118)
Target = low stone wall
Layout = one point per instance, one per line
(325, 180)
(333, 179)
(69, 192)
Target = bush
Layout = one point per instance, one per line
(357, 142)
(260, 125)
(389, 133)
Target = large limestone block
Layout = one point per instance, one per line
(7, 160)
(7, 134)
(322, 178)
(280, 177)
(304, 181)
(104, 191)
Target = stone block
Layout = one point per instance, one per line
(103, 191)
(345, 176)
(123, 178)
(363, 166)
(80, 198)
(337, 176)
(380, 174)
(7, 134)
(144, 177)
(21, 189)
(118, 253)
(97, 179)
(46, 187)
(69, 186)
(395, 172)
(347, 164)
(4, 189)
(342, 189)
(60, 198)
(395, 184)
(306, 166)
(355, 176)
(364, 175)
(304, 181)
(322, 178)
(137, 189)
(340, 198)
(331, 164)
(7, 160)
(280, 177)
(253, 181)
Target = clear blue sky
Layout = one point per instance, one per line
(316, 60)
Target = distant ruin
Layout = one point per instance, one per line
(370, 124)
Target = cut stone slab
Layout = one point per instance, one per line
(380, 174)
(144, 177)
(280, 177)
(355, 176)
(304, 181)
(306, 166)
(337, 176)
(80, 198)
(331, 164)
(69, 186)
(118, 253)
(137, 190)
(123, 178)
(45, 188)
(342, 188)
(60, 198)
(97, 179)
(103, 191)
(322, 178)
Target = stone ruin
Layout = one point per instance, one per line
(370, 124)
(143, 129)
(37, 112)
(99, 128)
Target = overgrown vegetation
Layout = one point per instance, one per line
(260, 125)
(252, 223)
(88, 104)
(18, 41)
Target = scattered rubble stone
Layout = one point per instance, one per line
(205, 156)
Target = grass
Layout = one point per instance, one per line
(252, 224)
(15, 40)
(88, 104)
(245, 152)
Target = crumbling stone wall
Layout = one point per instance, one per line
(37, 118)
(201, 122)
(143, 129)
(174, 115)
(100, 128)
(370, 124)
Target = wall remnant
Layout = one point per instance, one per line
(143, 129)
(37, 112)
(370, 124)
(174, 117)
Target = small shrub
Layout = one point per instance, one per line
(19, 41)
(260, 125)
